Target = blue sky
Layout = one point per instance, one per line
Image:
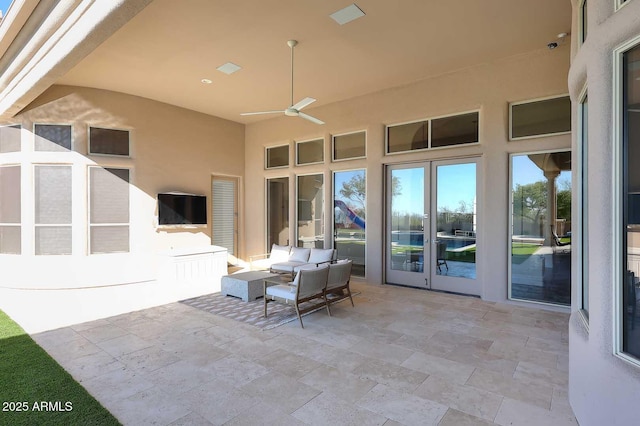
(4, 6)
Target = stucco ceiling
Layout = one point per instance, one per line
(167, 49)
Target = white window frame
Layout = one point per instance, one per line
(333, 146)
(51, 225)
(429, 120)
(266, 157)
(324, 199)
(266, 209)
(90, 224)
(621, 3)
(18, 224)
(617, 170)
(333, 199)
(582, 24)
(297, 143)
(529, 101)
(98, 154)
(73, 142)
(563, 308)
(581, 168)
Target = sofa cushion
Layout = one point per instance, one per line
(320, 255)
(299, 254)
(282, 291)
(279, 253)
(285, 267)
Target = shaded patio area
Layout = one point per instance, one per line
(401, 356)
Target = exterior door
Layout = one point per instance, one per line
(224, 213)
(432, 225)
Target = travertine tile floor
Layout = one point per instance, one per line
(401, 356)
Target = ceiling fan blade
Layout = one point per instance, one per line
(310, 118)
(262, 112)
(303, 103)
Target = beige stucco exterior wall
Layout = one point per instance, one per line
(487, 87)
(172, 149)
(603, 388)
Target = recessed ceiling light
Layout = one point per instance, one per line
(206, 81)
(347, 14)
(229, 68)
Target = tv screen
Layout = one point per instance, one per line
(182, 209)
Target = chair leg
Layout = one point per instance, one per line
(326, 303)
(350, 298)
(299, 317)
(265, 305)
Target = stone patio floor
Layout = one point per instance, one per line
(401, 356)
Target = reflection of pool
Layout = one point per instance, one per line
(416, 239)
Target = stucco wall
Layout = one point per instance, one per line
(172, 149)
(603, 389)
(488, 87)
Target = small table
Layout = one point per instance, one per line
(246, 285)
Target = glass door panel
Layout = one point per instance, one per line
(407, 238)
(455, 226)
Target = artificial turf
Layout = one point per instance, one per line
(36, 390)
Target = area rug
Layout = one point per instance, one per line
(251, 313)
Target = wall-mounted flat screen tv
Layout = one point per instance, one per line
(175, 208)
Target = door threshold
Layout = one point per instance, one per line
(435, 291)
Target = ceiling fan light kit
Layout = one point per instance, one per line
(294, 109)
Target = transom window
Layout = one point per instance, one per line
(310, 152)
(461, 129)
(52, 137)
(538, 118)
(348, 146)
(277, 156)
(108, 141)
(10, 138)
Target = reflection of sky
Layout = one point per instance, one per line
(411, 198)
(4, 6)
(525, 172)
(456, 182)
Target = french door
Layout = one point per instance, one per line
(432, 225)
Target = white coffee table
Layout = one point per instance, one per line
(246, 285)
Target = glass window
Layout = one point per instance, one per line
(108, 141)
(52, 209)
(10, 138)
(454, 130)
(10, 210)
(108, 210)
(352, 145)
(540, 118)
(631, 202)
(408, 137)
(277, 212)
(277, 156)
(52, 137)
(349, 217)
(310, 152)
(584, 114)
(310, 213)
(541, 227)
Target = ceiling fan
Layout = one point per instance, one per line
(294, 109)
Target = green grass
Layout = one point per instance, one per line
(29, 376)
